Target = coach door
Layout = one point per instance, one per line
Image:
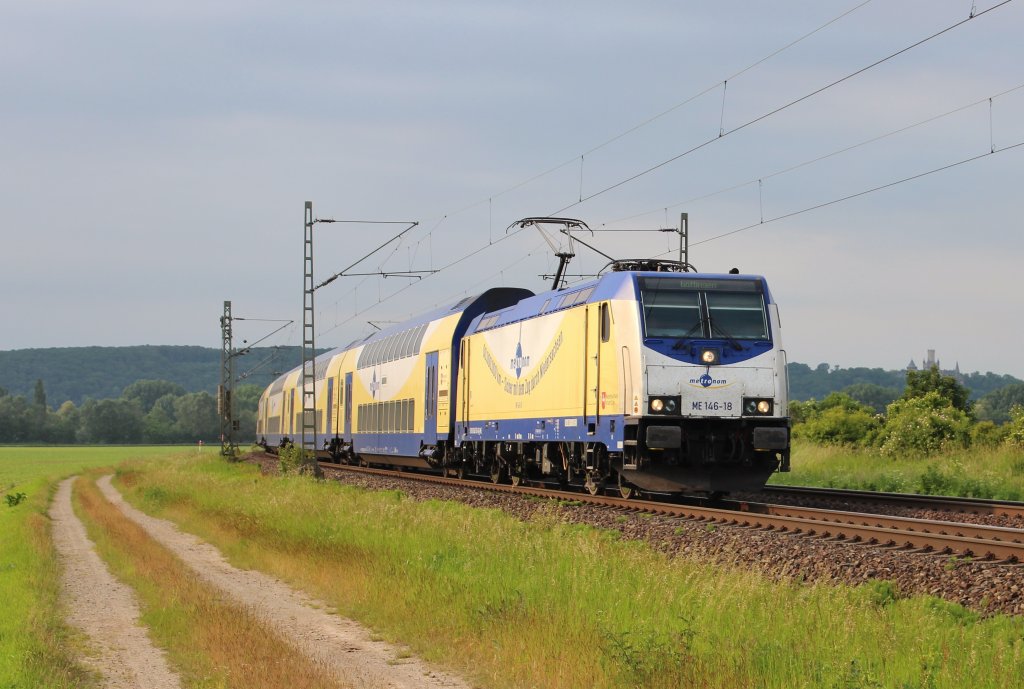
(348, 405)
(430, 400)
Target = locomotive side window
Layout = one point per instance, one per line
(737, 315)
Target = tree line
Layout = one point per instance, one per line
(80, 373)
(147, 411)
(882, 385)
(933, 413)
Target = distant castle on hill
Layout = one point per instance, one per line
(929, 361)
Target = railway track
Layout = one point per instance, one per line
(928, 502)
(991, 543)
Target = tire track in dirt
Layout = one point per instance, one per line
(342, 645)
(104, 608)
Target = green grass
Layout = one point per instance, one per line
(555, 605)
(35, 646)
(995, 473)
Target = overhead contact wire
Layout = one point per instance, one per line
(781, 108)
(865, 192)
(658, 116)
(818, 159)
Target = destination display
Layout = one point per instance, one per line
(698, 284)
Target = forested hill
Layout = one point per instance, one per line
(77, 373)
(806, 382)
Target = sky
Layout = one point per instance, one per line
(155, 160)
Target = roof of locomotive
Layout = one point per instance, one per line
(614, 285)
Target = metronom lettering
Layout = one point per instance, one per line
(522, 387)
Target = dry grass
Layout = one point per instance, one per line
(210, 641)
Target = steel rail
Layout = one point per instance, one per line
(931, 526)
(945, 503)
(965, 540)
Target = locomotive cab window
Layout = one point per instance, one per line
(737, 315)
(671, 312)
(703, 308)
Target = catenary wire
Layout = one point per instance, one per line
(656, 117)
(663, 163)
(811, 161)
(848, 197)
(779, 109)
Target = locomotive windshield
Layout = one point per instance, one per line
(703, 308)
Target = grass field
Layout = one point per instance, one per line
(35, 648)
(996, 473)
(553, 605)
(505, 603)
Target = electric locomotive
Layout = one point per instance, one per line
(641, 379)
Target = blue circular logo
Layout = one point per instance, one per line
(705, 380)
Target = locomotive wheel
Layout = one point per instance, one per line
(495, 472)
(626, 490)
(593, 482)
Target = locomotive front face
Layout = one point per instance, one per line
(715, 401)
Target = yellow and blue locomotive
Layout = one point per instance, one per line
(638, 379)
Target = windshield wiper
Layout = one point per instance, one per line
(686, 336)
(733, 342)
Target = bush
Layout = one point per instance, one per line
(799, 411)
(987, 434)
(924, 425)
(838, 426)
(1015, 428)
(289, 458)
(836, 420)
(293, 460)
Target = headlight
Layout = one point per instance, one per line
(709, 356)
(663, 405)
(757, 406)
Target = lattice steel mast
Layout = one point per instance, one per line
(308, 421)
(225, 398)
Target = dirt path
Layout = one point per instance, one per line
(342, 645)
(104, 608)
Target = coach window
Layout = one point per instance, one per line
(393, 343)
(606, 322)
(405, 349)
